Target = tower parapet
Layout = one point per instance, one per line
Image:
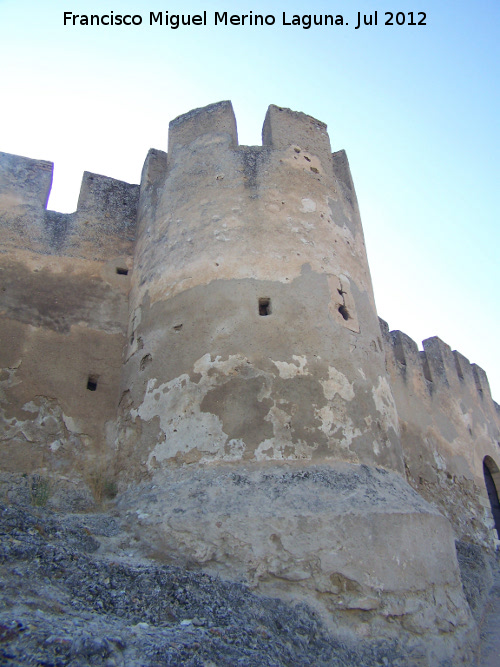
(284, 128)
(24, 181)
(217, 120)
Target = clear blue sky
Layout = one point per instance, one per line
(415, 107)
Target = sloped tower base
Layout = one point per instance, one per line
(353, 541)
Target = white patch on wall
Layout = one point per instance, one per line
(331, 419)
(327, 418)
(308, 206)
(439, 460)
(48, 427)
(287, 370)
(228, 367)
(337, 384)
(111, 433)
(184, 425)
(385, 404)
(273, 449)
(71, 424)
(30, 407)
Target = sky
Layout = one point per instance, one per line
(415, 107)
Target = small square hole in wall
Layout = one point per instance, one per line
(92, 382)
(121, 271)
(264, 306)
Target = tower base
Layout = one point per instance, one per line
(354, 542)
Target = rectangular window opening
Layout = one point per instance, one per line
(121, 271)
(92, 382)
(264, 306)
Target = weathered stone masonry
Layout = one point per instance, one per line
(213, 334)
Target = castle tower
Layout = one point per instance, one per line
(257, 426)
(253, 330)
(262, 422)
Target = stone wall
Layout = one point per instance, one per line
(63, 303)
(449, 426)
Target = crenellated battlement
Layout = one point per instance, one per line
(449, 425)
(217, 120)
(103, 223)
(24, 181)
(437, 367)
(107, 210)
(284, 128)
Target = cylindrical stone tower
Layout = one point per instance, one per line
(257, 423)
(253, 333)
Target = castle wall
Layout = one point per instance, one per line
(214, 332)
(448, 424)
(252, 315)
(63, 309)
(257, 429)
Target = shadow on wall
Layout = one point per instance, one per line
(492, 481)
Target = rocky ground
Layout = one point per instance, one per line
(72, 593)
(489, 626)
